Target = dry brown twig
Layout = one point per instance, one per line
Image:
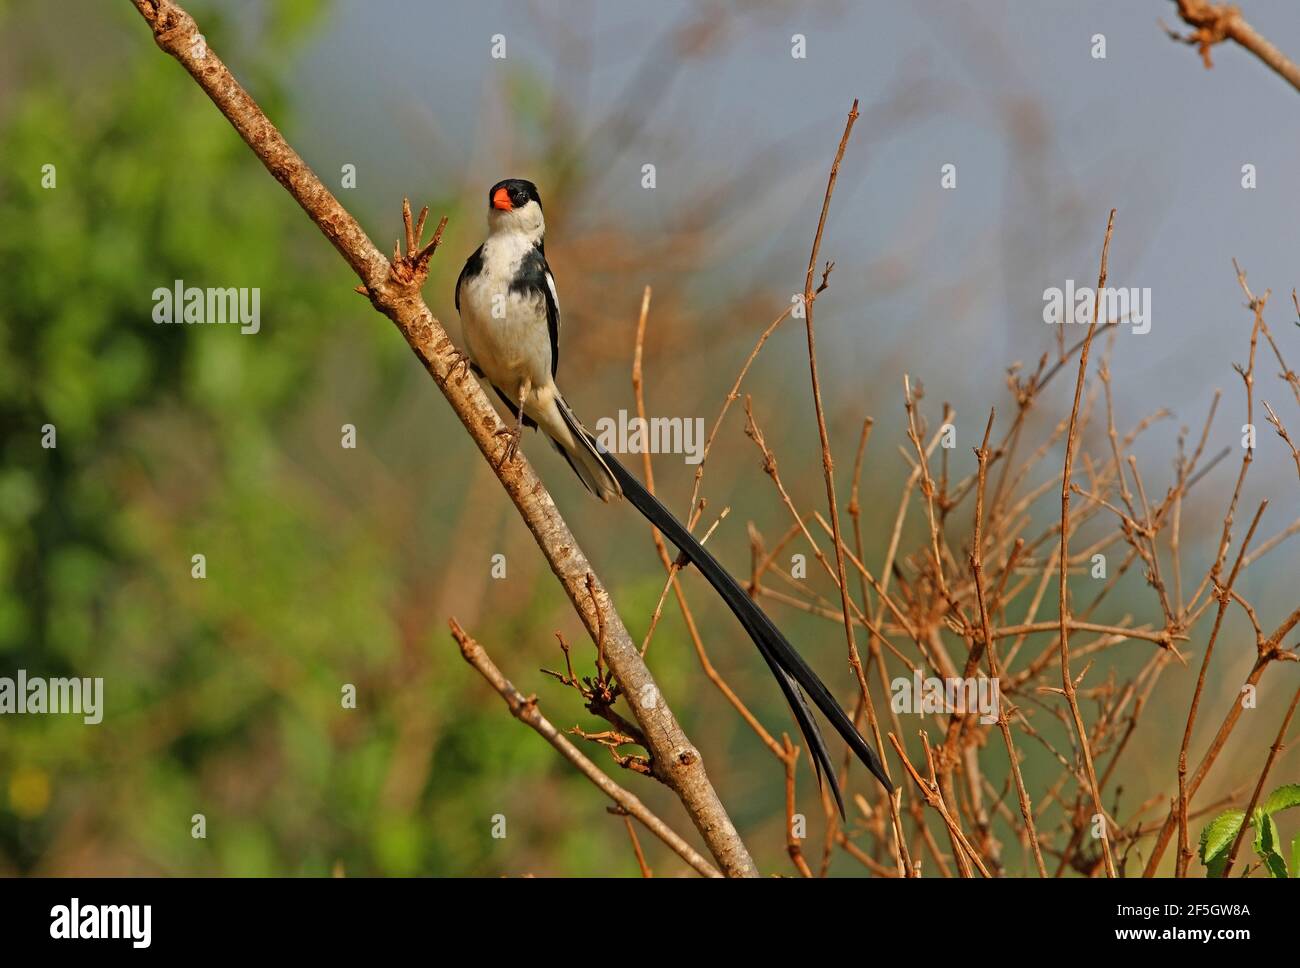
(1213, 23)
(525, 709)
(1247, 817)
(933, 795)
(636, 842)
(986, 629)
(1067, 682)
(1268, 651)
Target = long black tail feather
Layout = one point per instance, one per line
(793, 674)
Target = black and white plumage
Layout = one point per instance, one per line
(510, 314)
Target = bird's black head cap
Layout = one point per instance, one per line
(513, 193)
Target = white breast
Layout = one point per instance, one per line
(505, 332)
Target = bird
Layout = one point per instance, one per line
(510, 319)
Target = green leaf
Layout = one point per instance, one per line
(1267, 839)
(1295, 856)
(1283, 798)
(1217, 838)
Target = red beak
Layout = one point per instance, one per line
(501, 200)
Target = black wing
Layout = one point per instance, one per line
(553, 320)
(534, 277)
(473, 266)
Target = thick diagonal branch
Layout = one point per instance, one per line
(394, 289)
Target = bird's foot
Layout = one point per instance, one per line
(460, 363)
(515, 435)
